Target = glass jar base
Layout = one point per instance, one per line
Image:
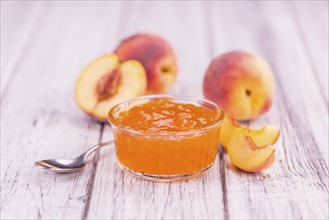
(163, 178)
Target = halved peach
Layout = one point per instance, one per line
(248, 155)
(229, 125)
(105, 82)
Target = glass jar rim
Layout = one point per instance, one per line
(115, 123)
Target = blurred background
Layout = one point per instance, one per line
(67, 35)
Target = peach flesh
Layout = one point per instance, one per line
(247, 155)
(105, 82)
(263, 136)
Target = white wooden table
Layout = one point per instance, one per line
(44, 46)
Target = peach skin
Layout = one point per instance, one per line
(241, 83)
(156, 56)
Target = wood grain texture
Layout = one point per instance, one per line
(16, 39)
(39, 117)
(299, 176)
(44, 45)
(312, 23)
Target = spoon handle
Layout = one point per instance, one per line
(85, 154)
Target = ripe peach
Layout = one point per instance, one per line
(106, 82)
(241, 83)
(156, 56)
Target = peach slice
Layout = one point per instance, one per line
(106, 82)
(228, 127)
(248, 155)
(265, 136)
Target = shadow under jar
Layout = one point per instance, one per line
(166, 138)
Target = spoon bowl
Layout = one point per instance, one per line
(61, 165)
(69, 165)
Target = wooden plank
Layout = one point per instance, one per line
(296, 186)
(18, 23)
(312, 21)
(116, 195)
(39, 117)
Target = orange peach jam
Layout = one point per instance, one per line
(167, 137)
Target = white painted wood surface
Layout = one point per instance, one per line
(44, 45)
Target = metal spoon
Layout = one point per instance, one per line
(70, 165)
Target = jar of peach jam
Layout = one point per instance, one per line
(166, 138)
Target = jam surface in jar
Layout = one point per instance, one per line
(166, 116)
(168, 138)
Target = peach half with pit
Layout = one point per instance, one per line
(105, 82)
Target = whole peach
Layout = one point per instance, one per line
(156, 56)
(242, 83)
